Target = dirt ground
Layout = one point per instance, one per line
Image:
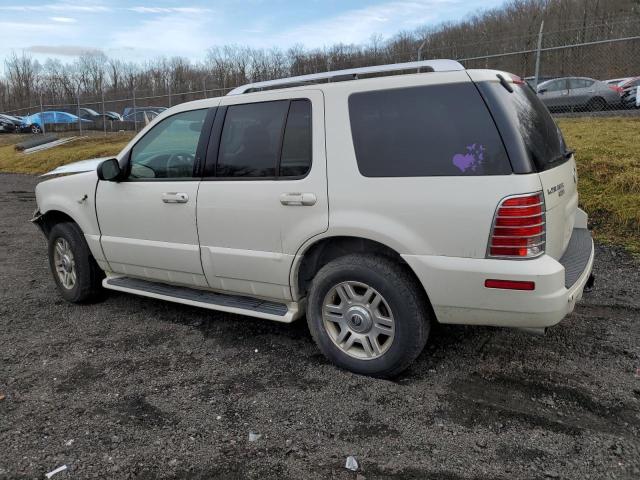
(137, 388)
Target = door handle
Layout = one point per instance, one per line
(298, 199)
(174, 197)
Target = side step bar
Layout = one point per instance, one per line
(253, 307)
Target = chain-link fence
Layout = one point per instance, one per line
(592, 77)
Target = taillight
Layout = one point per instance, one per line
(518, 229)
(617, 89)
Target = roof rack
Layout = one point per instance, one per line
(350, 74)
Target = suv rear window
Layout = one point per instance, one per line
(432, 130)
(526, 127)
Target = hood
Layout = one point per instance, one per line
(77, 167)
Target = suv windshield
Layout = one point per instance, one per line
(532, 137)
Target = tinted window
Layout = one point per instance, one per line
(580, 83)
(295, 160)
(168, 150)
(530, 133)
(555, 86)
(425, 131)
(251, 137)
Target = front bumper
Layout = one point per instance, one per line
(455, 286)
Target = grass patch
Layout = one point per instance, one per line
(12, 161)
(607, 154)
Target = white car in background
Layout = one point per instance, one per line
(374, 206)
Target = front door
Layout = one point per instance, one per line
(264, 192)
(555, 94)
(148, 221)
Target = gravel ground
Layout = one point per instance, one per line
(136, 388)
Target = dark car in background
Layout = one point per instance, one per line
(141, 117)
(579, 93)
(630, 92)
(9, 123)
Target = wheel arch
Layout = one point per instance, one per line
(47, 220)
(315, 255)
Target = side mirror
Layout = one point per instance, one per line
(110, 170)
(542, 90)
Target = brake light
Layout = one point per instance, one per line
(518, 229)
(517, 80)
(617, 89)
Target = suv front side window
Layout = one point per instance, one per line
(168, 150)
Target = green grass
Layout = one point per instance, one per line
(608, 158)
(12, 161)
(607, 152)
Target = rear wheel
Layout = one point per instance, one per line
(597, 104)
(367, 315)
(75, 271)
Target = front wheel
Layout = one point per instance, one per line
(74, 269)
(368, 315)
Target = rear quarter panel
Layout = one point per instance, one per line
(446, 215)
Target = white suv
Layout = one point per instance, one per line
(376, 205)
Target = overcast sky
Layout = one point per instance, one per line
(148, 29)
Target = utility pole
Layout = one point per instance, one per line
(104, 117)
(79, 119)
(538, 53)
(135, 111)
(424, 42)
(42, 115)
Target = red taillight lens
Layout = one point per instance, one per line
(518, 228)
(617, 89)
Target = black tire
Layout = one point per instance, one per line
(597, 104)
(405, 298)
(88, 275)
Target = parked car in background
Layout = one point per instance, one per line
(9, 123)
(153, 110)
(35, 122)
(579, 93)
(115, 116)
(630, 92)
(532, 80)
(141, 116)
(617, 81)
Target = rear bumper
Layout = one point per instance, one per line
(455, 286)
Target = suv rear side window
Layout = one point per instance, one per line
(530, 133)
(438, 130)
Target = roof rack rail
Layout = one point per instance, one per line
(351, 74)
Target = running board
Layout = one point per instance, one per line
(253, 307)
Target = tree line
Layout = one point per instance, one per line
(490, 34)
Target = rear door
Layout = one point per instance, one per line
(555, 94)
(581, 90)
(264, 192)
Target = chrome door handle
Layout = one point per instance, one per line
(174, 197)
(298, 199)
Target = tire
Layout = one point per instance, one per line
(84, 277)
(597, 104)
(403, 305)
